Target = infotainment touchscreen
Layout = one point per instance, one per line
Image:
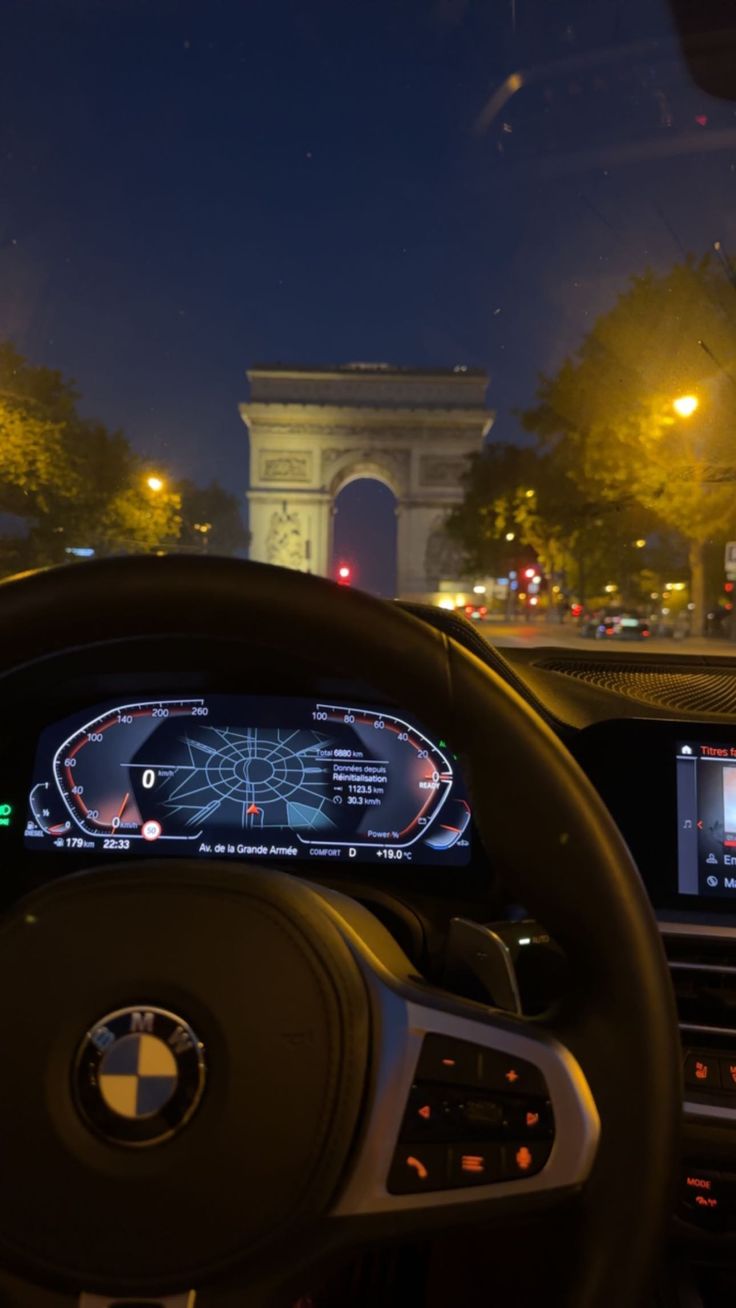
(706, 817)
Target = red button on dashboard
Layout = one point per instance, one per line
(701, 1072)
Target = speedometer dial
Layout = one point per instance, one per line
(249, 775)
(94, 772)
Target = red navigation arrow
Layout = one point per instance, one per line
(253, 809)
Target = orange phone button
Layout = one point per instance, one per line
(417, 1168)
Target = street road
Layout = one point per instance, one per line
(528, 635)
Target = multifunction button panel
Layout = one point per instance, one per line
(474, 1116)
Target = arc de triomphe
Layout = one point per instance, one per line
(313, 430)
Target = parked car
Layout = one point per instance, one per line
(617, 627)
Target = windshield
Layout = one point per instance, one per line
(434, 299)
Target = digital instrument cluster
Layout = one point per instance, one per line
(248, 777)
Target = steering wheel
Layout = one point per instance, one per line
(293, 1026)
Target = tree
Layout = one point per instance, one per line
(210, 519)
(71, 482)
(573, 532)
(609, 415)
(495, 484)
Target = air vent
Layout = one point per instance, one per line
(704, 979)
(686, 690)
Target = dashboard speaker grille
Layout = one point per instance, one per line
(697, 692)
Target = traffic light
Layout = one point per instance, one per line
(344, 575)
(728, 587)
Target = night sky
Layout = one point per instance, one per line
(191, 188)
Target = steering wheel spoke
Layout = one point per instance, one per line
(468, 1106)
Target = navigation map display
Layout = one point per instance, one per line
(248, 777)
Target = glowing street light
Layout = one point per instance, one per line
(685, 405)
(530, 494)
(510, 535)
(155, 483)
(640, 543)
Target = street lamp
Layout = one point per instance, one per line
(510, 535)
(155, 483)
(685, 405)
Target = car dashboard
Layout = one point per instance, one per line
(657, 737)
(176, 747)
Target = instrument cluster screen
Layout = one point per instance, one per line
(248, 777)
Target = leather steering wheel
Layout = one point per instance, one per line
(307, 1024)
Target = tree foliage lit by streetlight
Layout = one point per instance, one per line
(612, 411)
(73, 484)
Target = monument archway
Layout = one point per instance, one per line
(314, 430)
(364, 533)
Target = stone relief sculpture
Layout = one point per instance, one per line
(284, 466)
(284, 543)
(436, 470)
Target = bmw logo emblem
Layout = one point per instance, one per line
(139, 1075)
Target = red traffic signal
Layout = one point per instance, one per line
(344, 575)
(728, 587)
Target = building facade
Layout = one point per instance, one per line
(314, 430)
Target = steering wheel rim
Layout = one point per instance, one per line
(569, 867)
